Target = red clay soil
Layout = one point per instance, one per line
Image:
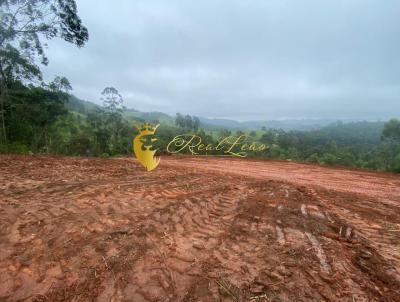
(196, 229)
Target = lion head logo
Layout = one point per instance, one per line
(142, 146)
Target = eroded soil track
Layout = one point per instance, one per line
(196, 229)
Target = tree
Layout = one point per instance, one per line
(180, 120)
(60, 84)
(24, 22)
(23, 25)
(112, 100)
(391, 130)
(196, 123)
(13, 68)
(113, 106)
(391, 145)
(222, 133)
(34, 110)
(268, 137)
(188, 122)
(97, 120)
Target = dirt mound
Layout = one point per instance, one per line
(196, 229)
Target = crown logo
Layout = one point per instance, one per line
(147, 128)
(142, 146)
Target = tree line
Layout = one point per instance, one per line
(39, 117)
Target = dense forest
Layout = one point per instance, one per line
(38, 117)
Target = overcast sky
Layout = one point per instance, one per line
(248, 59)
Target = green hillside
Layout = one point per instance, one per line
(54, 122)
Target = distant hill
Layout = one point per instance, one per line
(158, 117)
(79, 105)
(362, 132)
(82, 106)
(289, 124)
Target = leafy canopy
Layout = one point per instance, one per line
(22, 25)
(391, 131)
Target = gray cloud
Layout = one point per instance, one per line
(240, 59)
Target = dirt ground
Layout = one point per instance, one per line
(196, 229)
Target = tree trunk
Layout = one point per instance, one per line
(2, 115)
(46, 144)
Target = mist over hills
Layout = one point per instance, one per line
(284, 124)
(306, 124)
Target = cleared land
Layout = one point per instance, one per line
(196, 229)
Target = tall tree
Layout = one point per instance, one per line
(196, 123)
(180, 120)
(188, 122)
(112, 100)
(113, 106)
(60, 84)
(23, 26)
